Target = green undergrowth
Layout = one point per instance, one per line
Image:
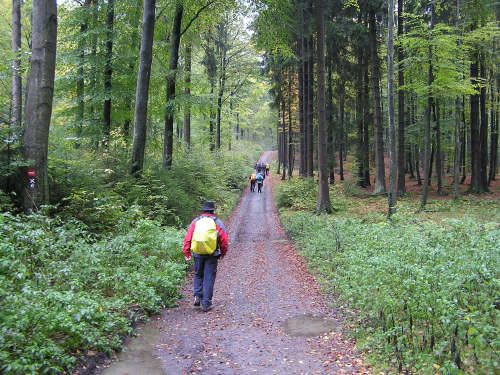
(63, 293)
(104, 254)
(424, 290)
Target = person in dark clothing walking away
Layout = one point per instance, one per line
(207, 240)
(260, 182)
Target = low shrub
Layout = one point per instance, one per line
(64, 293)
(426, 296)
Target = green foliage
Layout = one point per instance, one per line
(425, 294)
(299, 193)
(64, 293)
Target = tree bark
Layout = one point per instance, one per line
(142, 88)
(168, 143)
(283, 138)
(330, 124)
(483, 131)
(341, 130)
(401, 108)
(17, 84)
(323, 204)
(430, 79)
(494, 131)
(290, 132)
(108, 72)
(39, 95)
(187, 92)
(222, 46)
(390, 97)
(380, 187)
(302, 108)
(475, 141)
(439, 171)
(310, 109)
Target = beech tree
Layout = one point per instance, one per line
(39, 95)
(142, 90)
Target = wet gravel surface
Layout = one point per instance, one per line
(269, 316)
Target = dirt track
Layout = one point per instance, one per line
(268, 315)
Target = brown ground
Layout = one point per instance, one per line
(413, 188)
(263, 289)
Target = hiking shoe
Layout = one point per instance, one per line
(196, 301)
(206, 308)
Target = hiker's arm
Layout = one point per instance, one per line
(187, 240)
(223, 238)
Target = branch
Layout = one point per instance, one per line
(236, 88)
(196, 16)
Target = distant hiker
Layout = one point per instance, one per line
(260, 182)
(267, 169)
(207, 239)
(253, 180)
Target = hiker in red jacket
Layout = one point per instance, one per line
(206, 254)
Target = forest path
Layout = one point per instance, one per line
(268, 315)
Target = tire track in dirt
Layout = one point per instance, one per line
(260, 284)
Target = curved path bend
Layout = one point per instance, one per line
(269, 316)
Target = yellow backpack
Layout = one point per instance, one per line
(253, 177)
(205, 235)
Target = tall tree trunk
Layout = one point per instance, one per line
(483, 131)
(456, 162)
(290, 131)
(17, 83)
(439, 171)
(463, 143)
(310, 109)
(323, 204)
(430, 79)
(401, 108)
(283, 138)
(367, 120)
(39, 95)
(359, 119)
(494, 130)
(168, 144)
(278, 138)
(16, 104)
(187, 92)
(390, 97)
(475, 140)
(222, 45)
(108, 72)
(142, 88)
(379, 131)
(417, 165)
(302, 108)
(92, 89)
(80, 84)
(330, 124)
(342, 145)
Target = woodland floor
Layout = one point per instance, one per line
(268, 317)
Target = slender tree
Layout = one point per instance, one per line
(390, 99)
(379, 131)
(323, 204)
(401, 107)
(187, 92)
(108, 71)
(430, 79)
(39, 95)
(168, 144)
(17, 84)
(142, 88)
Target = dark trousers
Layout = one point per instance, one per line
(259, 187)
(252, 185)
(205, 270)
